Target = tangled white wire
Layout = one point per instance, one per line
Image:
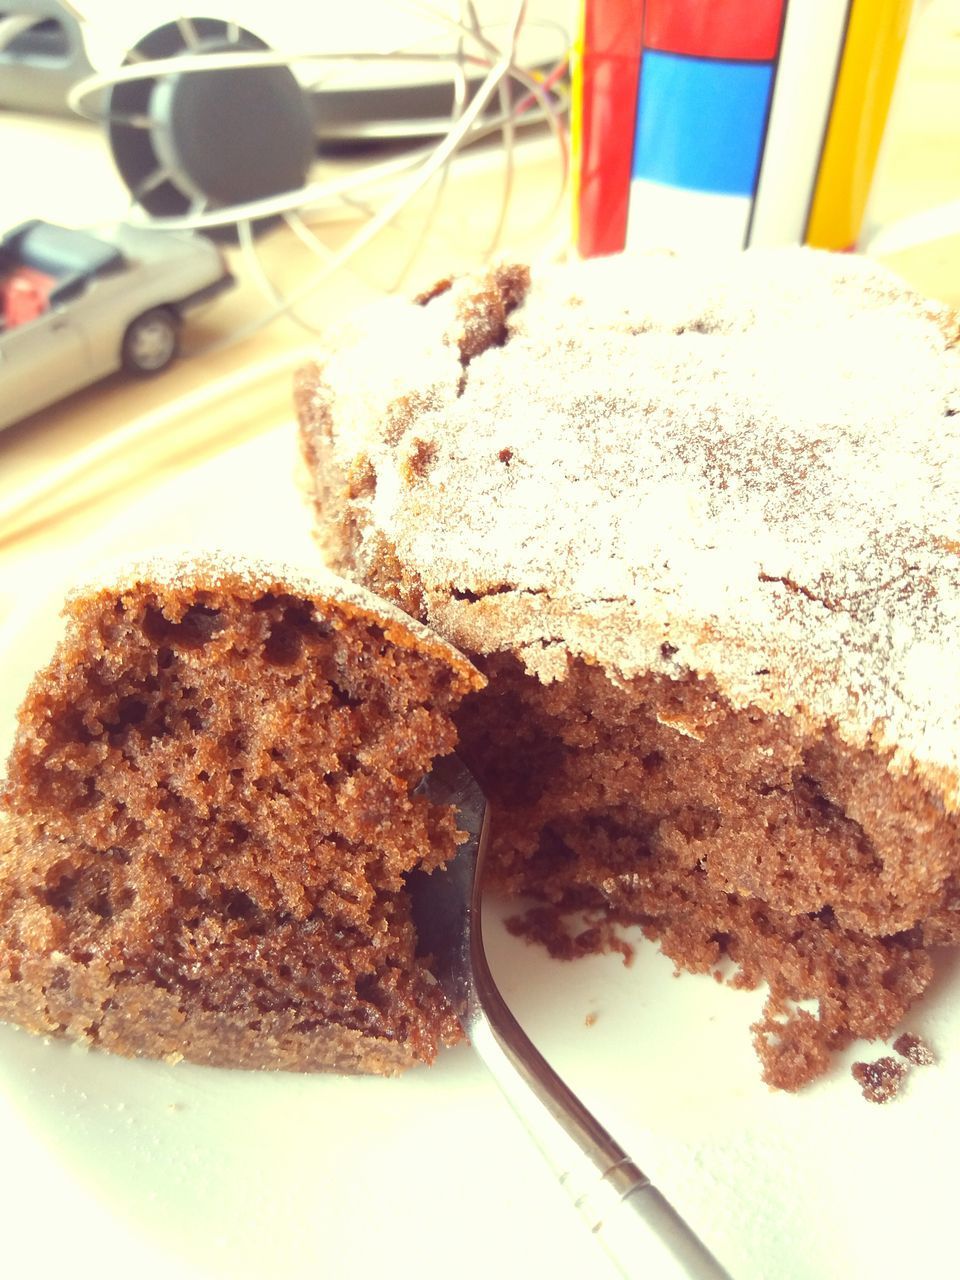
(416, 170)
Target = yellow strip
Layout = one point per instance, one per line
(576, 122)
(868, 72)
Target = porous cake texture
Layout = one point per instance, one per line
(209, 813)
(696, 522)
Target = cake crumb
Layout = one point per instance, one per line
(548, 926)
(880, 1080)
(914, 1050)
(418, 463)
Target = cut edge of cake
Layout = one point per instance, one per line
(209, 814)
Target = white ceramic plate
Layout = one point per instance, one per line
(111, 1168)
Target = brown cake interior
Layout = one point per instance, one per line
(722, 833)
(213, 811)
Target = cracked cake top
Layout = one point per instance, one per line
(746, 467)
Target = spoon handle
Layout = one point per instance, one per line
(644, 1236)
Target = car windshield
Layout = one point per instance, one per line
(62, 251)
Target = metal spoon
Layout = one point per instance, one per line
(637, 1226)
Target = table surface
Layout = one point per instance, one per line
(71, 178)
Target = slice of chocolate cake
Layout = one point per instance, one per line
(209, 813)
(696, 521)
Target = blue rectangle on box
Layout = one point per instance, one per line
(700, 122)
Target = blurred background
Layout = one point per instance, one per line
(366, 127)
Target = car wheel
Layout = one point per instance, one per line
(151, 342)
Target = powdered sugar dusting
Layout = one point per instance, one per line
(748, 468)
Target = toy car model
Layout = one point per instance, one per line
(77, 305)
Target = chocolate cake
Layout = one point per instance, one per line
(209, 814)
(696, 522)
